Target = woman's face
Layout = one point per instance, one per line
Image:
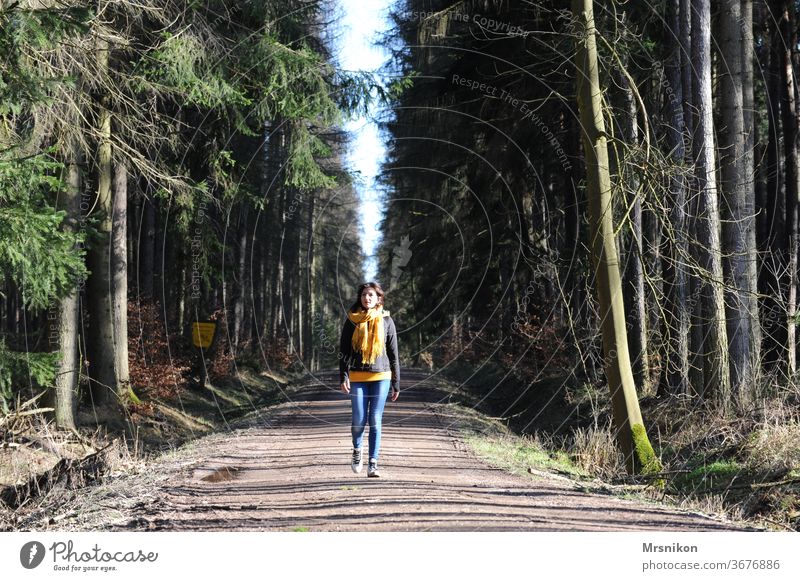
(369, 298)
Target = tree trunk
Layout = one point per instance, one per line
(275, 212)
(789, 117)
(276, 316)
(775, 203)
(67, 372)
(677, 312)
(119, 264)
(716, 373)
(630, 432)
(573, 210)
(147, 247)
(298, 294)
(634, 257)
(242, 286)
(99, 300)
(748, 159)
(311, 286)
(180, 325)
(690, 117)
(159, 248)
(260, 287)
(736, 211)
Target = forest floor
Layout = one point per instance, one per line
(286, 467)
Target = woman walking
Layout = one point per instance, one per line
(368, 367)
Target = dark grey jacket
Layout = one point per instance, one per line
(386, 361)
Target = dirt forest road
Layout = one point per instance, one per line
(290, 470)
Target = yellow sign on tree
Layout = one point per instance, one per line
(203, 334)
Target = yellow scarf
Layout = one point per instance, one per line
(368, 336)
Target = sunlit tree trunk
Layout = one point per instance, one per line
(119, 265)
(630, 432)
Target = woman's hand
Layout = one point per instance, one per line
(395, 395)
(345, 386)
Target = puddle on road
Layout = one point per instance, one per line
(222, 474)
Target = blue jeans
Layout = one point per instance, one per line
(369, 399)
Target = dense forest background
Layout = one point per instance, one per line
(168, 162)
(164, 165)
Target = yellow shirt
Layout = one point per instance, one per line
(369, 375)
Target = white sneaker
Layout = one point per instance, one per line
(358, 460)
(372, 469)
